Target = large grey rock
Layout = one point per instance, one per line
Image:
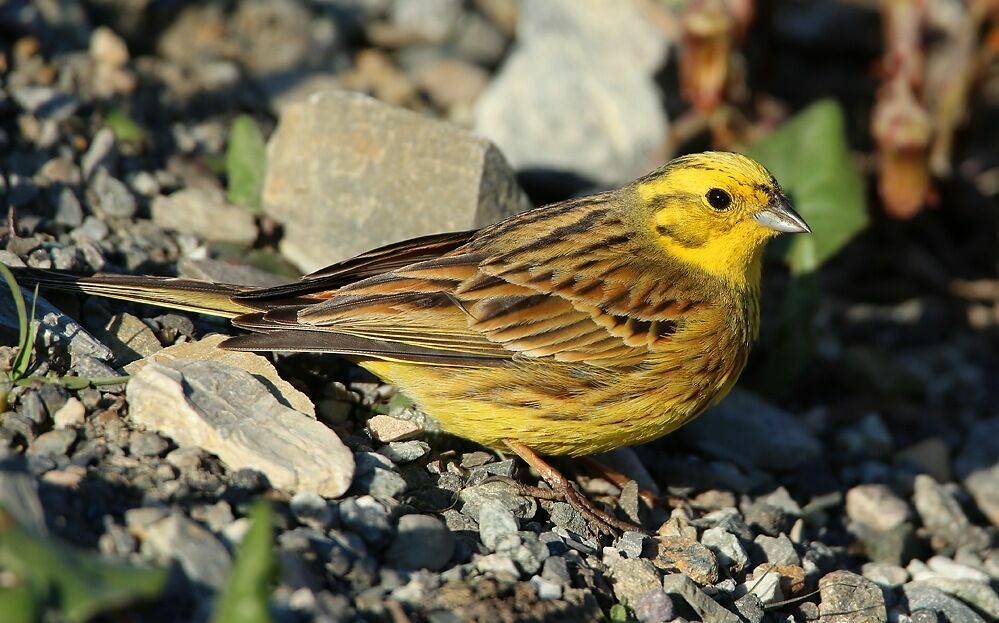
(205, 214)
(847, 597)
(576, 94)
(346, 173)
(743, 429)
(228, 412)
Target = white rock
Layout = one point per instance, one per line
(228, 412)
(71, 413)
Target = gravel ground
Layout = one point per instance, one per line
(866, 492)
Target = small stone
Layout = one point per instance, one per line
(54, 443)
(726, 547)
(750, 608)
(421, 542)
(679, 585)
(312, 510)
(632, 544)
(185, 459)
(632, 578)
(204, 214)
(129, 338)
(110, 197)
(108, 48)
(867, 438)
(102, 153)
(943, 517)
(847, 597)
(764, 582)
(207, 349)
(565, 516)
(68, 210)
(525, 549)
(405, 451)
(555, 569)
(33, 407)
(977, 594)
(690, 557)
(741, 428)
(216, 516)
(942, 567)
(884, 574)
(367, 517)
(70, 415)
(875, 507)
(202, 557)
(365, 145)
(495, 522)
(228, 412)
(546, 590)
(941, 605)
(146, 443)
(976, 466)
(778, 551)
(497, 565)
(386, 429)
(654, 606)
(474, 498)
(92, 229)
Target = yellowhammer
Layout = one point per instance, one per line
(571, 329)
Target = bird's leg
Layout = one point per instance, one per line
(618, 479)
(564, 490)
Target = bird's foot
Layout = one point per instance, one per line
(564, 490)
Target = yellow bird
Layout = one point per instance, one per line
(575, 328)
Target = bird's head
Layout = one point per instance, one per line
(713, 210)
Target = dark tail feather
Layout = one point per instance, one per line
(202, 297)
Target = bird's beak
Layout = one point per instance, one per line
(780, 216)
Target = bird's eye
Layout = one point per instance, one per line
(719, 199)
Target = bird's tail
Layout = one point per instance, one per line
(214, 299)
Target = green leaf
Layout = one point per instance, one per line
(620, 613)
(246, 594)
(810, 158)
(18, 604)
(125, 129)
(80, 584)
(245, 163)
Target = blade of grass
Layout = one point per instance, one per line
(22, 314)
(23, 360)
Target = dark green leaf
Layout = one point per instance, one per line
(80, 584)
(18, 604)
(248, 589)
(810, 158)
(245, 163)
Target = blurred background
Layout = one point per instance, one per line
(173, 137)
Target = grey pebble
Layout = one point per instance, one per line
(473, 499)
(421, 542)
(404, 451)
(777, 550)
(942, 605)
(312, 510)
(110, 197)
(632, 544)
(367, 517)
(654, 606)
(726, 547)
(146, 444)
(496, 521)
(54, 443)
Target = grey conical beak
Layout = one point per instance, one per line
(780, 216)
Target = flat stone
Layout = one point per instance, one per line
(846, 597)
(207, 349)
(230, 413)
(977, 594)
(380, 160)
(689, 557)
(778, 550)
(937, 602)
(943, 516)
(576, 95)
(884, 574)
(202, 557)
(110, 197)
(385, 428)
(54, 443)
(741, 429)
(764, 582)
(146, 443)
(421, 542)
(128, 338)
(218, 271)
(205, 214)
(367, 517)
(679, 585)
